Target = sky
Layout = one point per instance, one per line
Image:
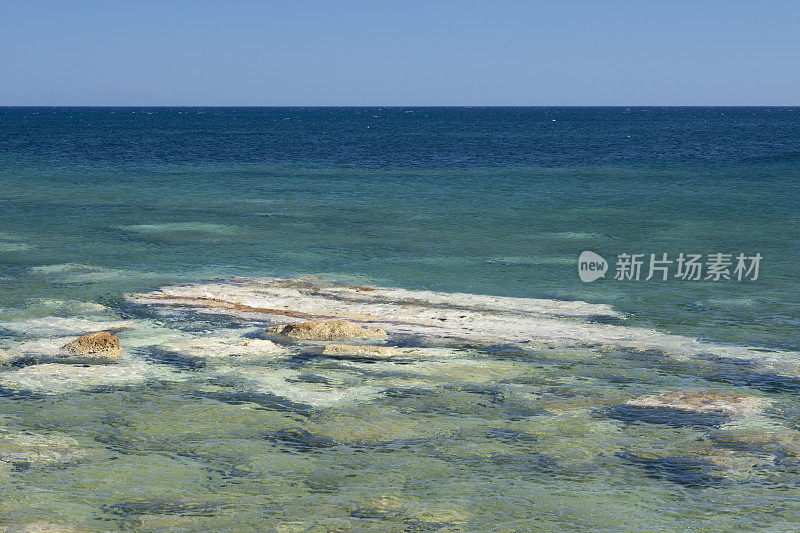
(434, 52)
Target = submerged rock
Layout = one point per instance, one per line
(365, 352)
(390, 513)
(714, 403)
(740, 466)
(21, 451)
(283, 382)
(687, 408)
(670, 416)
(301, 440)
(56, 378)
(101, 345)
(762, 440)
(687, 471)
(326, 330)
(165, 507)
(38, 527)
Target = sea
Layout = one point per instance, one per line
(576, 433)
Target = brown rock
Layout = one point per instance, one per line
(326, 330)
(100, 345)
(722, 403)
(367, 352)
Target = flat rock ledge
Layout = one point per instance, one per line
(220, 347)
(365, 352)
(101, 345)
(717, 403)
(326, 330)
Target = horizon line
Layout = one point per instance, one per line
(396, 106)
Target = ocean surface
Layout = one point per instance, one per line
(100, 203)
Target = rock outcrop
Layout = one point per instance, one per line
(221, 347)
(101, 346)
(326, 330)
(448, 318)
(366, 352)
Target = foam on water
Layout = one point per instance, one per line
(58, 378)
(65, 307)
(61, 326)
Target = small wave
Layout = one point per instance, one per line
(571, 235)
(11, 242)
(532, 261)
(732, 302)
(78, 272)
(14, 246)
(181, 230)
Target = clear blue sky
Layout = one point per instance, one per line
(247, 52)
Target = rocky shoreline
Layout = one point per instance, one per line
(278, 317)
(462, 382)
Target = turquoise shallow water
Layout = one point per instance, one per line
(97, 203)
